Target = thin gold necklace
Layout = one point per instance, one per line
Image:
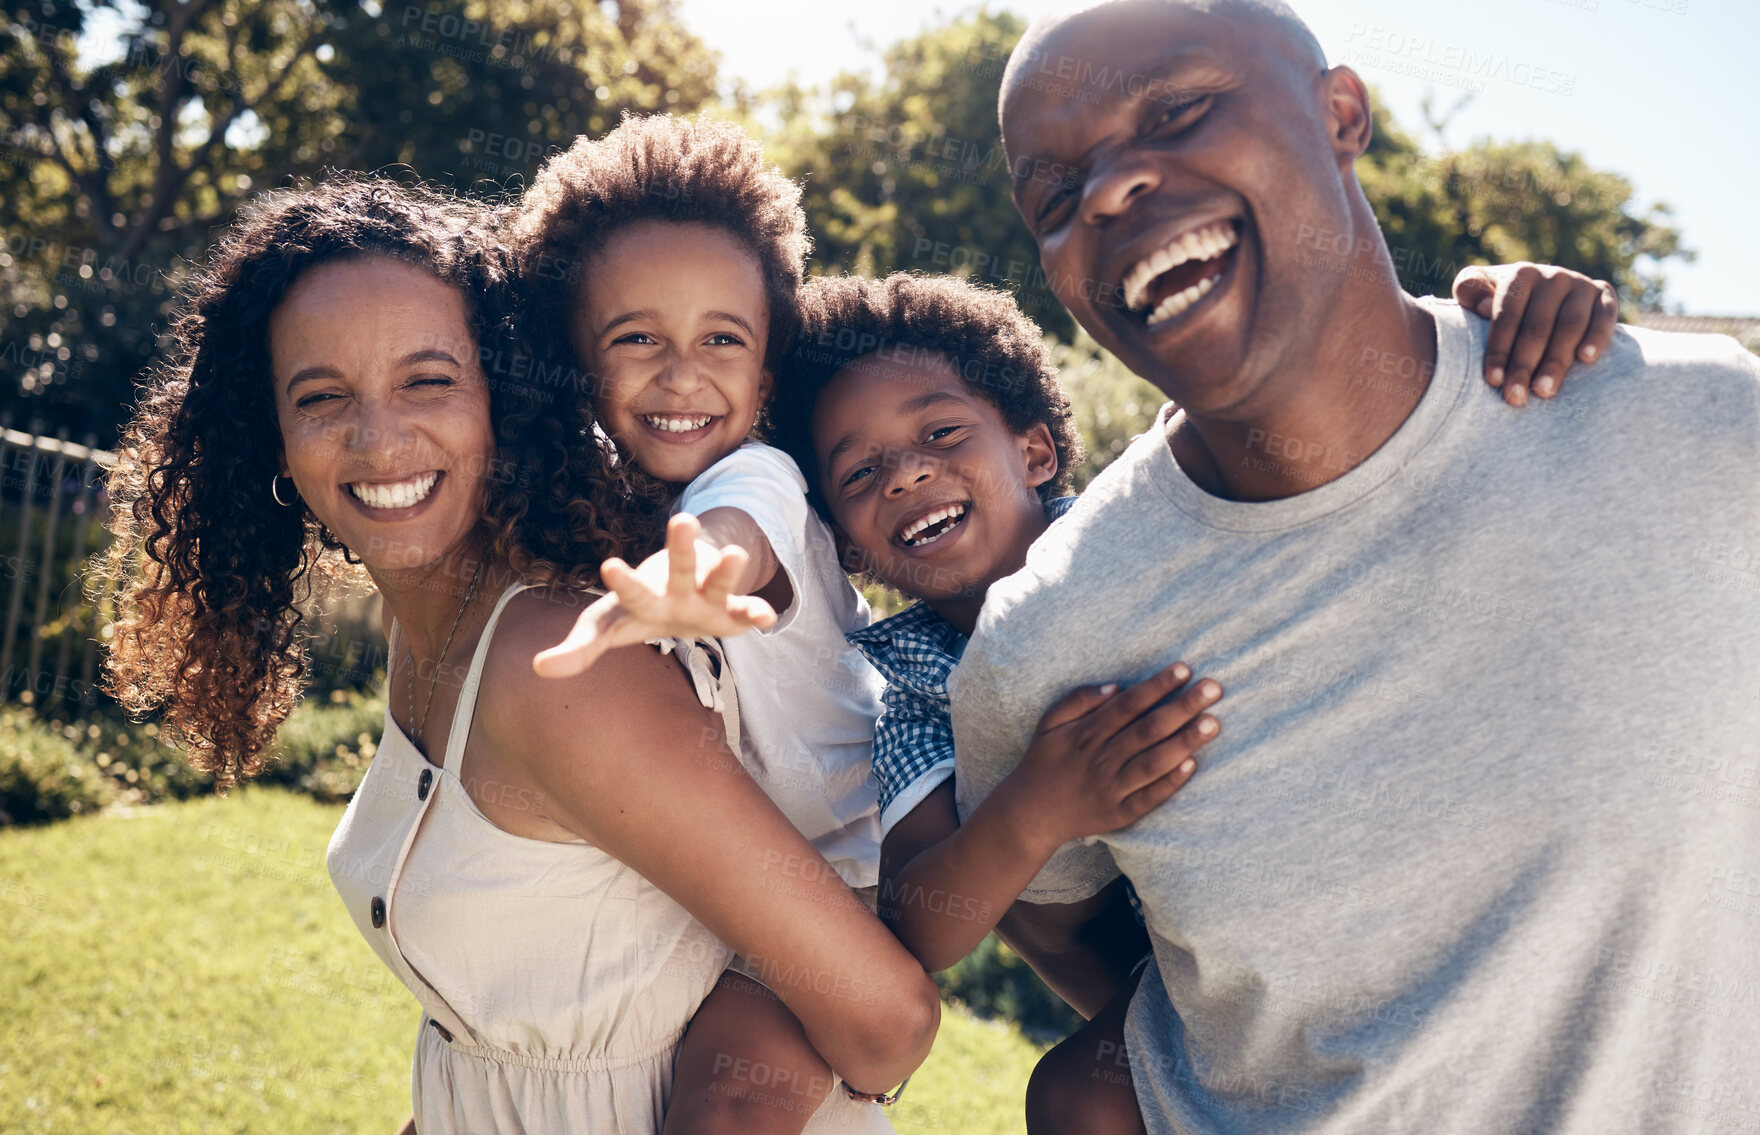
(429, 703)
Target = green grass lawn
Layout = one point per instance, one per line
(188, 968)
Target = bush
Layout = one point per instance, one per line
(993, 981)
(325, 746)
(44, 775)
(51, 768)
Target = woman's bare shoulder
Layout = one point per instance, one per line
(624, 689)
(604, 741)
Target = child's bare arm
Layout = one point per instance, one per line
(1099, 761)
(724, 528)
(745, 1065)
(692, 588)
(1083, 950)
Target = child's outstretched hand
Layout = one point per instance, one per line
(682, 591)
(1542, 318)
(1101, 759)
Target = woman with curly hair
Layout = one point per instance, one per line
(347, 389)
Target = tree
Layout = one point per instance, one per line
(1494, 202)
(907, 172)
(132, 132)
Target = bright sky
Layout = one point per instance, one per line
(1665, 92)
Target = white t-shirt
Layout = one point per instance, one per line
(807, 699)
(1478, 848)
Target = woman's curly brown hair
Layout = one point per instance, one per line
(208, 569)
(656, 168)
(996, 349)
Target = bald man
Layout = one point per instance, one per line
(1478, 848)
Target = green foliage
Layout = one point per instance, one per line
(239, 997)
(1494, 203)
(50, 654)
(44, 775)
(908, 172)
(993, 981)
(324, 748)
(1111, 404)
(118, 168)
(51, 768)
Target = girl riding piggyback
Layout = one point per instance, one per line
(670, 254)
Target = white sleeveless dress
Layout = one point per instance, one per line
(555, 981)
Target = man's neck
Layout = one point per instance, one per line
(1340, 400)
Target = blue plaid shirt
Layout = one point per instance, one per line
(916, 651)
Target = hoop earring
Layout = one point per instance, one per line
(275, 491)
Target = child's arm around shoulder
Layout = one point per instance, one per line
(1099, 760)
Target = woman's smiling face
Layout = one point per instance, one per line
(673, 322)
(383, 408)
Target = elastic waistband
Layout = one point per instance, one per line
(610, 1062)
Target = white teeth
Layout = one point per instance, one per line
(1205, 244)
(1178, 302)
(677, 423)
(402, 494)
(929, 521)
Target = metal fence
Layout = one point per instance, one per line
(52, 512)
(52, 502)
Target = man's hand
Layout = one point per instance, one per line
(1101, 759)
(1542, 318)
(682, 591)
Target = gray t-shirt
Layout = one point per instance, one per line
(1478, 849)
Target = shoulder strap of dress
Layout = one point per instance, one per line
(466, 711)
(706, 661)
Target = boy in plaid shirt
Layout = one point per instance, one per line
(937, 440)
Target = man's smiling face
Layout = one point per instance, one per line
(1169, 160)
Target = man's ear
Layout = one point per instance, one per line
(1350, 120)
(1039, 453)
